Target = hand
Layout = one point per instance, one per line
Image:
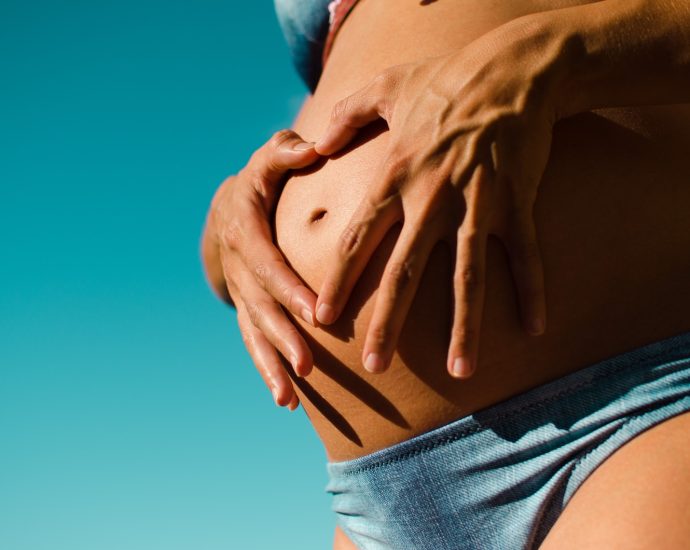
(257, 277)
(470, 135)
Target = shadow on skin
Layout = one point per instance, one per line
(325, 408)
(354, 384)
(344, 376)
(344, 330)
(426, 333)
(577, 185)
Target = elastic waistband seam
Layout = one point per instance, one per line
(464, 432)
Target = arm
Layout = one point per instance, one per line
(485, 115)
(631, 52)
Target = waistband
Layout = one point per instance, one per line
(641, 365)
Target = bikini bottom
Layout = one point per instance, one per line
(498, 479)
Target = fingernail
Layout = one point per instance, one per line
(462, 367)
(294, 362)
(274, 391)
(536, 327)
(308, 316)
(303, 146)
(374, 363)
(325, 314)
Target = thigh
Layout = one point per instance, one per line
(341, 542)
(639, 498)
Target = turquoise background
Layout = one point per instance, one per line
(131, 417)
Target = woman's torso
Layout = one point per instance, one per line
(612, 223)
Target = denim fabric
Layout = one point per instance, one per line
(305, 26)
(499, 478)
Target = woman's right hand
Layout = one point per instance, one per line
(257, 278)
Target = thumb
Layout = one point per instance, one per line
(286, 150)
(356, 111)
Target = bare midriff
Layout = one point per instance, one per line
(613, 222)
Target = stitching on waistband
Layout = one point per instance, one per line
(582, 457)
(426, 447)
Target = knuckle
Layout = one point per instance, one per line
(231, 235)
(380, 82)
(380, 87)
(400, 276)
(262, 273)
(287, 295)
(247, 337)
(280, 137)
(255, 312)
(379, 335)
(469, 278)
(281, 290)
(465, 337)
(221, 195)
(387, 80)
(396, 166)
(351, 239)
(252, 174)
(259, 178)
(340, 111)
(290, 333)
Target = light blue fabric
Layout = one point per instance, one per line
(499, 478)
(305, 26)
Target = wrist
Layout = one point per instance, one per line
(564, 66)
(620, 53)
(583, 63)
(545, 52)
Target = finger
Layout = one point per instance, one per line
(528, 273)
(396, 292)
(286, 150)
(356, 111)
(373, 218)
(270, 270)
(469, 282)
(294, 403)
(266, 360)
(267, 315)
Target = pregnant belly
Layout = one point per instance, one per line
(613, 229)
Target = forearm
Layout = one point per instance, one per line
(627, 52)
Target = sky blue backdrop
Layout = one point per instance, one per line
(131, 417)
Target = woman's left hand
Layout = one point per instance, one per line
(470, 135)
